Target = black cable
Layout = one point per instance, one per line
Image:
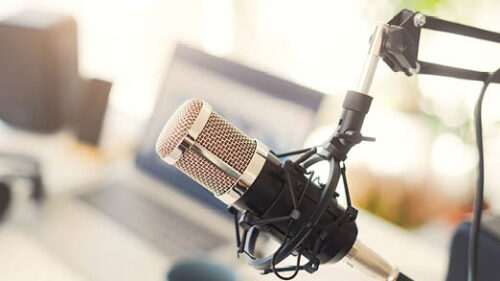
(478, 202)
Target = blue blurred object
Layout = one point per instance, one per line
(488, 251)
(200, 270)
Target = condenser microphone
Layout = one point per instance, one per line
(210, 150)
(276, 197)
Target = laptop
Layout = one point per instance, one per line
(144, 214)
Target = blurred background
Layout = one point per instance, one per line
(111, 61)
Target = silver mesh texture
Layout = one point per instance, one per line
(227, 143)
(205, 173)
(177, 127)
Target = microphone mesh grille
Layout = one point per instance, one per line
(177, 127)
(205, 173)
(227, 143)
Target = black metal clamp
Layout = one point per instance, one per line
(348, 132)
(401, 45)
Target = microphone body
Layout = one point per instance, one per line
(244, 174)
(269, 198)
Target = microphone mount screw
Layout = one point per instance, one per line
(419, 20)
(295, 214)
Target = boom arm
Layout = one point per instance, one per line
(400, 47)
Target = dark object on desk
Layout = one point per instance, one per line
(92, 108)
(488, 252)
(202, 269)
(14, 167)
(5, 198)
(39, 80)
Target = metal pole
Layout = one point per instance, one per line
(376, 42)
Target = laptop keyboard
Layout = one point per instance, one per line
(162, 227)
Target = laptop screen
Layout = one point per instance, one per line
(275, 111)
